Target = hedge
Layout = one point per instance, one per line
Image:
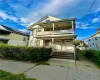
(25, 53)
(94, 55)
(80, 54)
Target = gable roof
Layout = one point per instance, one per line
(5, 28)
(29, 28)
(94, 34)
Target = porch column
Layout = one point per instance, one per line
(74, 50)
(72, 25)
(53, 34)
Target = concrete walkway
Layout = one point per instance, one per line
(57, 70)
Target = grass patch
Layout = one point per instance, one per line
(4, 74)
(42, 63)
(9, 76)
(61, 66)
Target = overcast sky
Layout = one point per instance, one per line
(18, 14)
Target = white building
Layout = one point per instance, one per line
(94, 41)
(53, 32)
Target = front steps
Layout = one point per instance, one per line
(63, 55)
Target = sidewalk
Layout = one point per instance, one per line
(62, 70)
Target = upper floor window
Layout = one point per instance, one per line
(38, 30)
(24, 39)
(48, 21)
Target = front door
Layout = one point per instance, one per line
(47, 43)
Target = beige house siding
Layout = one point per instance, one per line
(17, 40)
(60, 43)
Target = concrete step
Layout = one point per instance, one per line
(63, 55)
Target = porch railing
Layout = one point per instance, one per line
(55, 32)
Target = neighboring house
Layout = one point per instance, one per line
(12, 37)
(53, 32)
(82, 45)
(94, 41)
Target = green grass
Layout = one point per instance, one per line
(9, 76)
(42, 63)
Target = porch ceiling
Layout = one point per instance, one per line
(61, 24)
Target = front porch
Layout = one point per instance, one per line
(59, 45)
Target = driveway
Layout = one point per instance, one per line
(57, 70)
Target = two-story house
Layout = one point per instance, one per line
(94, 41)
(53, 32)
(13, 37)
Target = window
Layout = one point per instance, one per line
(37, 42)
(48, 21)
(89, 39)
(24, 39)
(95, 38)
(38, 30)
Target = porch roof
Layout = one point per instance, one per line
(64, 36)
(60, 24)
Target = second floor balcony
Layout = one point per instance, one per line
(59, 32)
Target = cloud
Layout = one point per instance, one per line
(5, 16)
(24, 30)
(54, 6)
(95, 20)
(83, 25)
(29, 19)
(84, 38)
(38, 9)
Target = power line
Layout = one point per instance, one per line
(87, 12)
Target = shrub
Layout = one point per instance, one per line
(17, 77)
(25, 53)
(9, 76)
(80, 54)
(1, 42)
(94, 55)
(4, 74)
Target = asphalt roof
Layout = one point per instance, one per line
(15, 31)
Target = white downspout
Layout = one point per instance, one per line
(73, 42)
(53, 34)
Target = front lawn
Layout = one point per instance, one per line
(9, 76)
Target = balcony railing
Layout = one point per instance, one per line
(55, 32)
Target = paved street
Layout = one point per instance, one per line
(57, 70)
